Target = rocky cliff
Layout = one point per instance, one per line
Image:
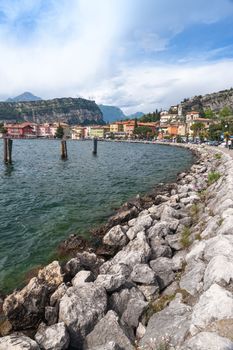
(68, 110)
(215, 101)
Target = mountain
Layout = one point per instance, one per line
(68, 110)
(112, 114)
(135, 115)
(214, 101)
(25, 97)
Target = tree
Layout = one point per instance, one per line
(3, 130)
(59, 132)
(197, 128)
(209, 113)
(143, 132)
(225, 112)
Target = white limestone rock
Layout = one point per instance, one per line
(214, 304)
(116, 237)
(54, 337)
(18, 342)
(192, 279)
(82, 277)
(220, 271)
(207, 341)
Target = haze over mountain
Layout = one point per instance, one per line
(24, 97)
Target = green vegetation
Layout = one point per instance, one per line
(194, 212)
(209, 114)
(143, 132)
(3, 130)
(197, 129)
(225, 112)
(218, 155)
(59, 132)
(185, 237)
(213, 176)
(150, 117)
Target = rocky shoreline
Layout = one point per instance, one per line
(157, 276)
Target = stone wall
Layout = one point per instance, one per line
(168, 285)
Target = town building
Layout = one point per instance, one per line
(23, 130)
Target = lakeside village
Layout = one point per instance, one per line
(170, 125)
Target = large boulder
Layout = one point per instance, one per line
(207, 341)
(143, 274)
(133, 312)
(18, 342)
(159, 229)
(54, 337)
(174, 321)
(220, 271)
(58, 294)
(25, 308)
(116, 237)
(214, 304)
(82, 277)
(119, 300)
(192, 279)
(111, 282)
(136, 252)
(163, 269)
(80, 309)
(108, 329)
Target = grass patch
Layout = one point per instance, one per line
(213, 176)
(185, 237)
(203, 195)
(218, 155)
(158, 305)
(198, 236)
(194, 212)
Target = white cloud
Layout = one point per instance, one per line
(145, 88)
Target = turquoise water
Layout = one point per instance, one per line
(44, 199)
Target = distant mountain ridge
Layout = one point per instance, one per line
(113, 113)
(67, 110)
(25, 97)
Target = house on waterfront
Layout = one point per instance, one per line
(23, 130)
(98, 131)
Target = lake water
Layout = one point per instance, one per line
(44, 199)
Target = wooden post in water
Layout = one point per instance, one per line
(95, 145)
(7, 150)
(63, 150)
(10, 142)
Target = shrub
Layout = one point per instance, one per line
(213, 176)
(218, 156)
(185, 237)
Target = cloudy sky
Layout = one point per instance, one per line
(136, 54)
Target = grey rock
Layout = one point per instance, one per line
(51, 315)
(80, 309)
(192, 279)
(108, 329)
(82, 277)
(226, 227)
(140, 332)
(219, 245)
(174, 321)
(163, 270)
(54, 337)
(58, 294)
(116, 237)
(142, 273)
(110, 282)
(72, 267)
(220, 271)
(178, 260)
(109, 346)
(171, 289)
(159, 248)
(211, 228)
(18, 342)
(174, 241)
(207, 341)
(119, 300)
(134, 310)
(160, 229)
(150, 292)
(136, 252)
(214, 304)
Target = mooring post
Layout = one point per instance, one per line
(95, 145)
(63, 150)
(5, 149)
(10, 142)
